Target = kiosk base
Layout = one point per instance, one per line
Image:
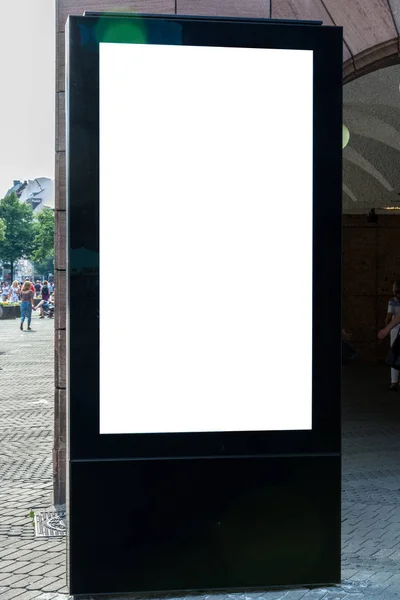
(204, 524)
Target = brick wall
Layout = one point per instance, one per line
(371, 262)
(59, 448)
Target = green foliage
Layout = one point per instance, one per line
(19, 229)
(45, 267)
(43, 243)
(31, 515)
(6, 303)
(23, 236)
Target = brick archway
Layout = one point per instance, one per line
(372, 59)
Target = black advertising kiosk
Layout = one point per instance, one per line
(204, 303)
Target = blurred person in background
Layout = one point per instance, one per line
(31, 284)
(27, 304)
(5, 291)
(45, 298)
(38, 288)
(392, 311)
(13, 296)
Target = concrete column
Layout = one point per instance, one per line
(59, 448)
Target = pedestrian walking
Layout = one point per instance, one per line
(383, 333)
(5, 291)
(38, 288)
(31, 284)
(393, 310)
(27, 304)
(45, 298)
(13, 296)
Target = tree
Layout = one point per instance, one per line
(46, 266)
(2, 230)
(19, 230)
(43, 243)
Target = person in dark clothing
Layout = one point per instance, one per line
(38, 288)
(45, 298)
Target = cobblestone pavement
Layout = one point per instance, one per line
(35, 568)
(29, 567)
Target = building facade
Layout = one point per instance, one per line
(39, 194)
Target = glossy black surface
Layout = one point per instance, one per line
(234, 519)
(83, 37)
(142, 526)
(298, 22)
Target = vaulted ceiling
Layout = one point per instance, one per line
(370, 27)
(371, 160)
(371, 31)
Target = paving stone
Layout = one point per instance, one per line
(39, 556)
(42, 570)
(9, 579)
(347, 573)
(19, 554)
(29, 568)
(6, 553)
(28, 595)
(395, 579)
(370, 498)
(59, 571)
(27, 581)
(12, 593)
(395, 556)
(56, 557)
(381, 577)
(355, 596)
(41, 583)
(295, 595)
(12, 566)
(361, 576)
(56, 585)
(40, 545)
(316, 594)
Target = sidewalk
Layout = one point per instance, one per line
(35, 568)
(29, 567)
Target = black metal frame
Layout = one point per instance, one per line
(203, 511)
(119, 15)
(82, 101)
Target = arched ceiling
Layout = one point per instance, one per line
(371, 161)
(370, 27)
(371, 30)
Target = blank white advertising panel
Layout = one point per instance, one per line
(206, 173)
